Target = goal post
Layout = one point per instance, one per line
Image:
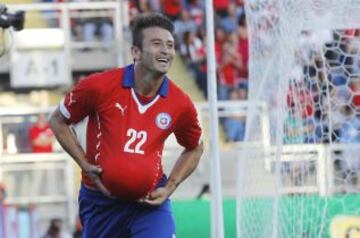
(305, 66)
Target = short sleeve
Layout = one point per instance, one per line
(188, 131)
(81, 101)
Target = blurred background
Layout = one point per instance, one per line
(62, 42)
(290, 135)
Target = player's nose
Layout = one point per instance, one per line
(165, 49)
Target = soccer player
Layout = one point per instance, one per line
(131, 111)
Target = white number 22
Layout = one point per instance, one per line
(134, 135)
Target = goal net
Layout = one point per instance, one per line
(299, 169)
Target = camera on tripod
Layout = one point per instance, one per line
(15, 20)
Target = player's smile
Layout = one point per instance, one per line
(164, 62)
(164, 57)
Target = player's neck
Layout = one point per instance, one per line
(147, 83)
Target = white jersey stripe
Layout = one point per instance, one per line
(64, 111)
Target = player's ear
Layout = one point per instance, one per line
(135, 52)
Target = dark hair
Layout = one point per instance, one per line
(54, 228)
(147, 20)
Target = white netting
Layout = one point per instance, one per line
(300, 175)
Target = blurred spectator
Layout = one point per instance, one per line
(240, 8)
(293, 128)
(355, 90)
(221, 7)
(314, 130)
(42, 139)
(2, 193)
(340, 95)
(229, 66)
(142, 6)
(230, 22)
(154, 5)
(52, 16)
(196, 12)
(243, 47)
(220, 38)
(350, 129)
(55, 230)
(193, 53)
(300, 97)
(4, 139)
(184, 24)
(41, 136)
(98, 25)
(294, 133)
(172, 8)
(350, 133)
(78, 229)
(235, 125)
(133, 12)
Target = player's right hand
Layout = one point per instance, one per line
(94, 172)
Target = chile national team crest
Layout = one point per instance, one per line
(163, 120)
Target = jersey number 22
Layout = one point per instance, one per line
(136, 140)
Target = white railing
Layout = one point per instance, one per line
(65, 12)
(41, 179)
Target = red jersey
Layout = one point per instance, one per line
(171, 7)
(243, 48)
(356, 96)
(303, 98)
(221, 4)
(34, 133)
(228, 75)
(126, 138)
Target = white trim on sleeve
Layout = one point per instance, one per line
(64, 110)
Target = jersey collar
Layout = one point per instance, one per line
(129, 81)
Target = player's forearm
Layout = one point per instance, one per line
(184, 166)
(66, 138)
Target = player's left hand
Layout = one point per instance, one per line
(156, 197)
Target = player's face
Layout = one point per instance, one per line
(158, 50)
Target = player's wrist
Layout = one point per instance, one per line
(85, 166)
(171, 186)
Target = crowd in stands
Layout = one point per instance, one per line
(323, 98)
(323, 120)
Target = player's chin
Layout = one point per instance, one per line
(163, 68)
